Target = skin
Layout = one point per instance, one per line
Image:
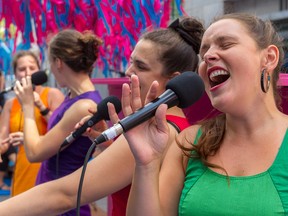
(39, 148)
(111, 170)
(26, 66)
(251, 115)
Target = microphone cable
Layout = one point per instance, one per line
(79, 192)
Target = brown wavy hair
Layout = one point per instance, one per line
(213, 129)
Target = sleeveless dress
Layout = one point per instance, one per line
(72, 157)
(25, 173)
(119, 199)
(206, 192)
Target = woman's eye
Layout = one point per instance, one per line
(226, 45)
(141, 67)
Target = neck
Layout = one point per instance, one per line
(81, 86)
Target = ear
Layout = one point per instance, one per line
(272, 57)
(59, 63)
(174, 74)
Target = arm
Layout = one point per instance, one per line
(144, 194)
(4, 125)
(39, 148)
(156, 187)
(109, 172)
(55, 98)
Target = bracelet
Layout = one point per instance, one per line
(45, 112)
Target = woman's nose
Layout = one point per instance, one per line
(208, 58)
(129, 72)
(28, 72)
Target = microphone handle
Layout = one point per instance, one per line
(148, 111)
(6, 90)
(77, 133)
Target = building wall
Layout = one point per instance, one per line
(207, 9)
(259, 7)
(204, 10)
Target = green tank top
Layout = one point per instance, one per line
(206, 192)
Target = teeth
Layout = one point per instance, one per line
(217, 73)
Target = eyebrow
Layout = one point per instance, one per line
(225, 38)
(137, 61)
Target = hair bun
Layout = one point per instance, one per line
(190, 30)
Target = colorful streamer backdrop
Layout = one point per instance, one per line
(118, 22)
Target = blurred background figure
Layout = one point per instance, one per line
(11, 124)
(2, 86)
(9, 157)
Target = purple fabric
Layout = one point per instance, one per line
(73, 156)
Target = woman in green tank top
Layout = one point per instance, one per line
(232, 164)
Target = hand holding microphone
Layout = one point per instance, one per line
(37, 78)
(182, 91)
(149, 140)
(101, 114)
(24, 89)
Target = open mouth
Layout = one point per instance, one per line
(217, 77)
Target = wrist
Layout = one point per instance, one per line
(44, 111)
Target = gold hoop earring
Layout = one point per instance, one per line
(262, 80)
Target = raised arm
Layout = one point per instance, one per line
(39, 148)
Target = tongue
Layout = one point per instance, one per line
(219, 79)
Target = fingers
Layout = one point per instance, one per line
(112, 113)
(82, 121)
(136, 102)
(160, 118)
(92, 111)
(152, 92)
(24, 83)
(131, 97)
(24, 90)
(125, 100)
(16, 138)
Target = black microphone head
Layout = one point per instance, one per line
(102, 108)
(39, 78)
(188, 87)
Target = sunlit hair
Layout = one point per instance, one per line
(78, 50)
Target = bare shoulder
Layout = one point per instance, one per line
(55, 98)
(83, 105)
(55, 92)
(188, 135)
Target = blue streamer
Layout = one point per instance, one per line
(101, 15)
(178, 4)
(64, 16)
(28, 25)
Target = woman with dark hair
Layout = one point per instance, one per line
(154, 58)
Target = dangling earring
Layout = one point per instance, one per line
(265, 90)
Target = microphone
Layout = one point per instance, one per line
(37, 78)
(101, 114)
(182, 91)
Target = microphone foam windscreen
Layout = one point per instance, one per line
(188, 87)
(102, 108)
(39, 78)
